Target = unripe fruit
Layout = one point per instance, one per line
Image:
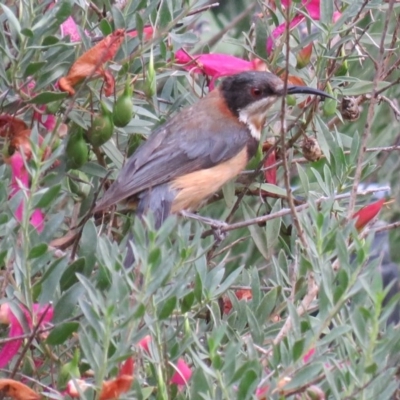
(123, 108)
(330, 105)
(76, 150)
(102, 127)
(290, 100)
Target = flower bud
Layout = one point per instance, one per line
(349, 109)
(123, 108)
(311, 150)
(76, 150)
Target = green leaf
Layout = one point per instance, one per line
(38, 251)
(50, 40)
(69, 277)
(47, 196)
(257, 233)
(267, 304)
(47, 97)
(297, 350)
(187, 302)
(326, 7)
(362, 87)
(34, 67)
(247, 385)
(64, 11)
(167, 308)
(269, 187)
(105, 27)
(61, 333)
(67, 303)
(27, 32)
(12, 20)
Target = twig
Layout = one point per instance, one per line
(215, 39)
(392, 105)
(287, 211)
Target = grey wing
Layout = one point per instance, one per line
(177, 148)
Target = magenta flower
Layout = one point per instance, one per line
(182, 373)
(216, 65)
(20, 181)
(69, 28)
(47, 120)
(147, 32)
(10, 349)
(309, 355)
(314, 11)
(145, 343)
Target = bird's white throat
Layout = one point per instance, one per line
(254, 115)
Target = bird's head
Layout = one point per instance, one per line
(250, 94)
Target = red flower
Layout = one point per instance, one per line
(145, 343)
(147, 31)
(309, 355)
(182, 373)
(216, 65)
(111, 389)
(10, 349)
(367, 214)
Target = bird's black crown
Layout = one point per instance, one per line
(248, 87)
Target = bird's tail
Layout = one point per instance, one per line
(158, 202)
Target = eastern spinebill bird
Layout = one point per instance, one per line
(189, 158)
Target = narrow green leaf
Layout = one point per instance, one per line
(167, 308)
(69, 277)
(297, 350)
(47, 196)
(12, 19)
(47, 97)
(247, 385)
(61, 333)
(38, 251)
(34, 67)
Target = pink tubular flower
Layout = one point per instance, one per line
(145, 343)
(216, 65)
(10, 349)
(20, 181)
(366, 214)
(69, 28)
(147, 32)
(314, 11)
(308, 355)
(47, 120)
(182, 373)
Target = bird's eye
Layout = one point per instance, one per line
(256, 92)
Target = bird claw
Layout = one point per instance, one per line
(216, 224)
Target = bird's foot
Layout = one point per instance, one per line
(216, 225)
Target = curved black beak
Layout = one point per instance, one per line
(291, 89)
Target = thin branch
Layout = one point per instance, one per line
(281, 213)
